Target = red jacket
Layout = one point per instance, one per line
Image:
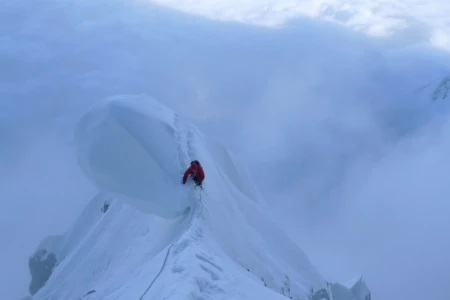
(194, 171)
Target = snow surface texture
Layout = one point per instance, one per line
(227, 246)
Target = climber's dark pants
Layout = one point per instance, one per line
(196, 180)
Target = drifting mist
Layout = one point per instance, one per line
(338, 129)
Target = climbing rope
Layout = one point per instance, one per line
(167, 255)
(160, 271)
(162, 267)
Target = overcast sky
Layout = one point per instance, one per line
(408, 21)
(335, 122)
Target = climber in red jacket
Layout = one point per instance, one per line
(196, 172)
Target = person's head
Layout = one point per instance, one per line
(195, 162)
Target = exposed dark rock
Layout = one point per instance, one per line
(105, 207)
(442, 91)
(90, 292)
(320, 295)
(41, 266)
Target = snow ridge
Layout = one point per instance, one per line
(159, 273)
(159, 239)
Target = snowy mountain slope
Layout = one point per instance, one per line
(147, 244)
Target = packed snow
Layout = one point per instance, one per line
(138, 240)
(130, 151)
(339, 98)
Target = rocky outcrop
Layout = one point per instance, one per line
(353, 290)
(41, 266)
(53, 249)
(442, 91)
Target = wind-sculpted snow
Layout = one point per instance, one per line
(127, 148)
(227, 246)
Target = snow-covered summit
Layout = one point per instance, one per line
(129, 147)
(158, 239)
